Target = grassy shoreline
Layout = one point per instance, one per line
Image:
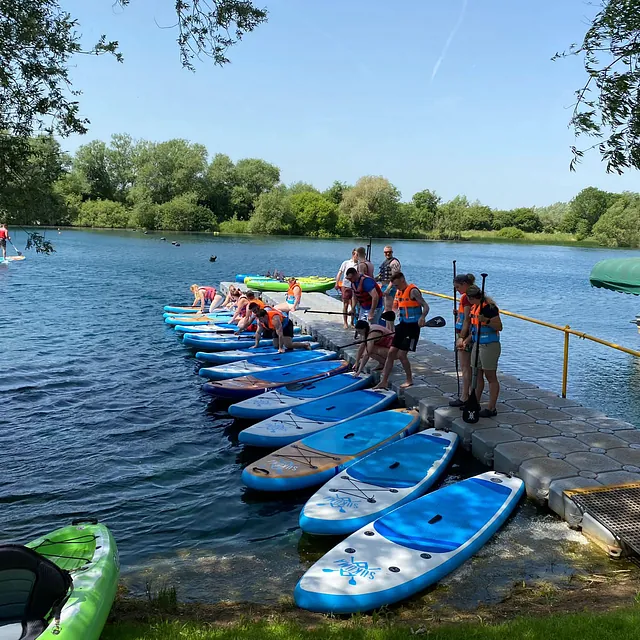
(562, 239)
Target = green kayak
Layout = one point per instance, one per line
(68, 582)
(306, 284)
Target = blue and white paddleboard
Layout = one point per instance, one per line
(410, 548)
(379, 483)
(225, 357)
(299, 422)
(279, 400)
(195, 320)
(265, 363)
(316, 458)
(212, 329)
(216, 316)
(229, 342)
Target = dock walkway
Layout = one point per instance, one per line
(554, 444)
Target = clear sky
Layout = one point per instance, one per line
(457, 96)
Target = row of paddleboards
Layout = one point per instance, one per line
(371, 462)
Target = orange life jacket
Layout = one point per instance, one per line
(409, 309)
(267, 322)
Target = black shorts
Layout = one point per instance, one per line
(406, 336)
(287, 330)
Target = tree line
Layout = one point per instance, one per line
(173, 185)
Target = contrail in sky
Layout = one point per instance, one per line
(447, 44)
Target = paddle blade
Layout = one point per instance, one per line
(438, 321)
(471, 410)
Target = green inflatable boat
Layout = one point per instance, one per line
(306, 284)
(60, 586)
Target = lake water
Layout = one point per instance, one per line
(102, 412)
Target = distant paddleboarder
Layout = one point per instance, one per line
(4, 236)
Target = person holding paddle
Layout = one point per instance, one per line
(345, 287)
(463, 329)
(412, 312)
(4, 236)
(485, 317)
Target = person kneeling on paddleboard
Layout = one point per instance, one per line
(376, 342)
(279, 323)
(412, 312)
(485, 313)
(206, 296)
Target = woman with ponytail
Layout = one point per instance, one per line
(462, 283)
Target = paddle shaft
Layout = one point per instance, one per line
(436, 322)
(14, 247)
(455, 335)
(474, 380)
(328, 313)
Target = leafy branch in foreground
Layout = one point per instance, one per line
(608, 105)
(210, 27)
(38, 242)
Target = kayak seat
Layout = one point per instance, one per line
(31, 588)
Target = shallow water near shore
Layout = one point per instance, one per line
(103, 413)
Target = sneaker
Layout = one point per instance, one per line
(456, 403)
(488, 413)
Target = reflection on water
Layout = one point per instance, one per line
(103, 413)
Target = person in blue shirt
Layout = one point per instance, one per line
(368, 294)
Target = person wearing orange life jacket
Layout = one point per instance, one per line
(411, 311)
(463, 328)
(292, 299)
(485, 319)
(242, 306)
(4, 236)
(248, 320)
(279, 323)
(206, 296)
(368, 295)
(344, 287)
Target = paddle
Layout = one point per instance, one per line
(455, 335)
(471, 409)
(14, 247)
(329, 313)
(434, 323)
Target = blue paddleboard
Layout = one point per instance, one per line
(299, 422)
(268, 404)
(264, 363)
(315, 459)
(225, 357)
(384, 480)
(411, 548)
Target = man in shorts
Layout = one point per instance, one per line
(368, 295)
(411, 310)
(345, 287)
(4, 236)
(388, 269)
(276, 324)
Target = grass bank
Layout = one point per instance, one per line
(529, 238)
(613, 625)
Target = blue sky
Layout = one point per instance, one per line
(457, 96)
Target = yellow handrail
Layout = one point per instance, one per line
(567, 330)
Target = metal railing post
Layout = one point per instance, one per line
(565, 365)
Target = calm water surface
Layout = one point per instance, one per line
(102, 412)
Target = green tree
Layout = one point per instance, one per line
(145, 215)
(301, 187)
(477, 217)
(336, 191)
(183, 213)
(585, 210)
(619, 226)
(523, 218)
(273, 215)
(314, 214)
(102, 213)
(426, 208)
(29, 196)
(450, 215)
(219, 183)
(607, 106)
(92, 163)
(372, 205)
(257, 176)
(169, 169)
(552, 216)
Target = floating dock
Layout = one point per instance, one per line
(556, 445)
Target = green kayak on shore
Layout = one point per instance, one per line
(60, 586)
(306, 284)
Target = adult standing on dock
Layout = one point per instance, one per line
(389, 268)
(345, 287)
(412, 310)
(364, 266)
(485, 314)
(368, 296)
(462, 283)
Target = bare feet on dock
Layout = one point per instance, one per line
(381, 386)
(406, 385)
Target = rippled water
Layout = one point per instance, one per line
(102, 413)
